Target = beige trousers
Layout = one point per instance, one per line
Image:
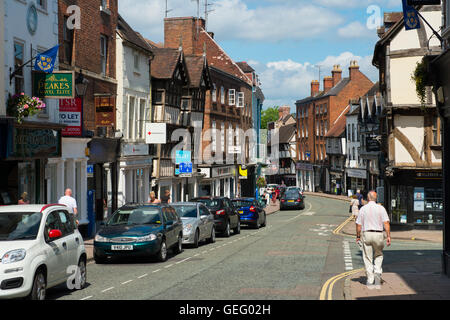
(373, 244)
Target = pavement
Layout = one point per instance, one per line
(416, 276)
(89, 243)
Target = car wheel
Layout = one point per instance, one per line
(227, 232)
(212, 239)
(179, 246)
(196, 239)
(265, 221)
(237, 230)
(81, 274)
(39, 289)
(162, 254)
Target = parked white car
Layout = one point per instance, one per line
(40, 247)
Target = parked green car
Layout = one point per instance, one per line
(139, 230)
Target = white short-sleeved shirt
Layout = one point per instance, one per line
(68, 201)
(372, 217)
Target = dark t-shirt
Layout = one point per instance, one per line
(165, 199)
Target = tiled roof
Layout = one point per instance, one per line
(195, 65)
(338, 127)
(165, 62)
(245, 67)
(218, 58)
(128, 34)
(286, 132)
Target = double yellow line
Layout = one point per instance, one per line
(328, 286)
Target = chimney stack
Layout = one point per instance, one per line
(353, 69)
(315, 87)
(337, 74)
(327, 83)
(284, 111)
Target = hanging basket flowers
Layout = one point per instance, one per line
(21, 106)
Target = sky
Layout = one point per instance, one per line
(287, 42)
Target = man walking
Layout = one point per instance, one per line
(371, 221)
(69, 201)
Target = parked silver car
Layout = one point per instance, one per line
(198, 222)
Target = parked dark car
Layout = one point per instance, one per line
(225, 215)
(292, 199)
(139, 230)
(250, 212)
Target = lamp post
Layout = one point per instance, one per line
(81, 84)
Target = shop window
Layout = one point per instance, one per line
(19, 49)
(437, 131)
(428, 205)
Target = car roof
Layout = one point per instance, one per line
(30, 207)
(142, 205)
(179, 204)
(243, 199)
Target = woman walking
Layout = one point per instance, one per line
(355, 207)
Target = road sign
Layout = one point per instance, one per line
(156, 133)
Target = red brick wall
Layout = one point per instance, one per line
(86, 53)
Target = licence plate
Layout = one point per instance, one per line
(241, 212)
(291, 201)
(122, 247)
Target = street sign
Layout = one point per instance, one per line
(70, 114)
(183, 160)
(156, 133)
(56, 85)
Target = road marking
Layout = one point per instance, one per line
(170, 265)
(143, 276)
(107, 289)
(88, 297)
(156, 271)
(183, 260)
(196, 255)
(328, 286)
(123, 283)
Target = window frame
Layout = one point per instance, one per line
(231, 97)
(103, 54)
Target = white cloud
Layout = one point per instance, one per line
(284, 82)
(233, 19)
(356, 30)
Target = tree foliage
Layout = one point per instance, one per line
(269, 115)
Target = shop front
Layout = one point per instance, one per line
(103, 177)
(305, 176)
(224, 181)
(356, 180)
(134, 177)
(336, 182)
(416, 199)
(26, 149)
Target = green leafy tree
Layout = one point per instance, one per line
(269, 115)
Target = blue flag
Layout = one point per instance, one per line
(46, 61)
(410, 16)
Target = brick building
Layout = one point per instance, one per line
(228, 106)
(90, 51)
(314, 116)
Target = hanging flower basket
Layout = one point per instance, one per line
(261, 182)
(21, 106)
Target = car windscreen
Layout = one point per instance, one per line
(19, 225)
(210, 203)
(242, 203)
(291, 194)
(186, 211)
(135, 217)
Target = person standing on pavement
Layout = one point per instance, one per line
(152, 198)
(355, 207)
(69, 201)
(166, 197)
(371, 222)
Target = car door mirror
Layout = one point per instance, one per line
(204, 217)
(54, 234)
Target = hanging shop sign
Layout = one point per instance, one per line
(156, 133)
(105, 111)
(56, 85)
(70, 114)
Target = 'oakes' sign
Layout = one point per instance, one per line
(57, 85)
